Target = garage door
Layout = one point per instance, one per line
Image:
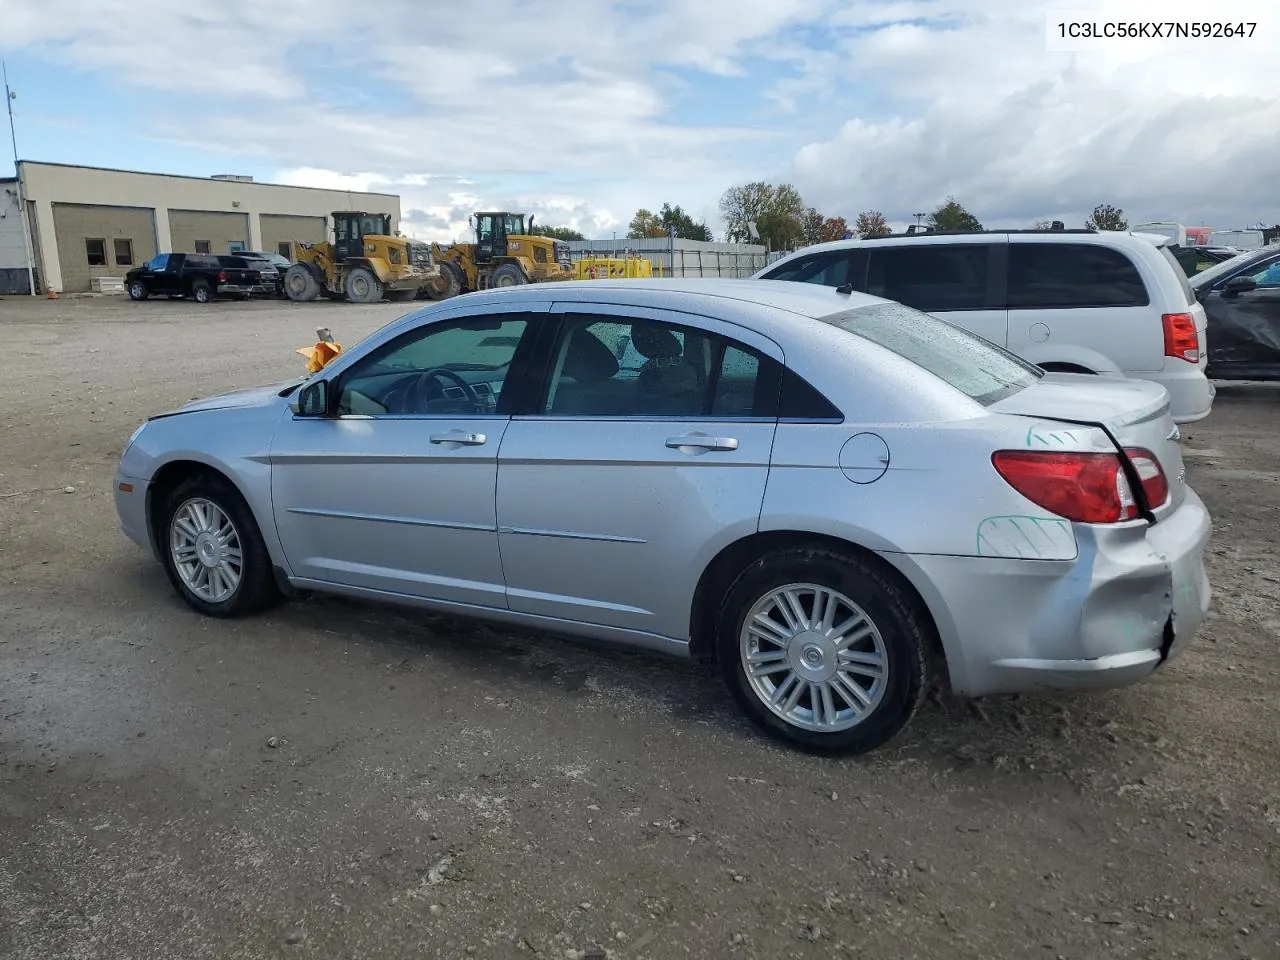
(280, 232)
(199, 231)
(101, 241)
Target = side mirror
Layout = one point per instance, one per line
(311, 399)
(1238, 285)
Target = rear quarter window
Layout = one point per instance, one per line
(979, 369)
(1073, 275)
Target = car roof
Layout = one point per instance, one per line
(761, 299)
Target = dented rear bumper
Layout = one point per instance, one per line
(1129, 602)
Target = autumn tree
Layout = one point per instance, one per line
(776, 210)
(1106, 217)
(833, 228)
(811, 223)
(871, 223)
(951, 216)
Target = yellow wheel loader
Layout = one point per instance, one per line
(365, 264)
(504, 255)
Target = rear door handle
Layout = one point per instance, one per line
(700, 441)
(460, 438)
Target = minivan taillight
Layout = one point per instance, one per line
(1155, 485)
(1181, 340)
(1084, 487)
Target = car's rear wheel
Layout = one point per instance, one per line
(824, 650)
(202, 292)
(213, 550)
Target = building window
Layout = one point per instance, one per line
(95, 249)
(124, 253)
(285, 249)
(202, 246)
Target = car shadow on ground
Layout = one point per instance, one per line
(1037, 734)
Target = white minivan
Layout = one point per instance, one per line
(1082, 301)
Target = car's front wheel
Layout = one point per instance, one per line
(137, 290)
(213, 550)
(823, 649)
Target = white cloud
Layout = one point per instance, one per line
(567, 109)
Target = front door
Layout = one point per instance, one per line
(649, 449)
(395, 489)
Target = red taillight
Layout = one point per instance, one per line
(222, 276)
(1085, 487)
(1181, 339)
(1155, 486)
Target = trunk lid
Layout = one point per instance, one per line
(1135, 413)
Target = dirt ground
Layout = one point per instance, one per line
(444, 789)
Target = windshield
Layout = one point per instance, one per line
(1207, 277)
(976, 367)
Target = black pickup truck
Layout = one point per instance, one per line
(203, 277)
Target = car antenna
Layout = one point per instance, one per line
(845, 288)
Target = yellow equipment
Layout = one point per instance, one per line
(365, 263)
(504, 255)
(612, 268)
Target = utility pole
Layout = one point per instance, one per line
(919, 217)
(9, 97)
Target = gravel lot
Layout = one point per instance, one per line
(444, 789)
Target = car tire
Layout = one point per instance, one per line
(202, 292)
(205, 526)
(804, 689)
(138, 290)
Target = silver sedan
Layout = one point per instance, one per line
(833, 496)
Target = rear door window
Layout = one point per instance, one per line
(1074, 275)
(931, 277)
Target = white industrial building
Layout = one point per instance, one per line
(673, 257)
(90, 224)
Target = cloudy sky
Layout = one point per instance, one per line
(583, 110)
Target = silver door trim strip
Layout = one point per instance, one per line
(384, 518)
(570, 535)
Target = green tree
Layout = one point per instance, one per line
(871, 223)
(686, 227)
(557, 233)
(952, 216)
(645, 224)
(1107, 217)
(776, 210)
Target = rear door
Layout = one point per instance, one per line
(957, 281)
(648, 452)
(1082, 303)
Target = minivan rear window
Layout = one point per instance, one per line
(978, 368)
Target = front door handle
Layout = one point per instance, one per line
(459, 437)
(700, 441)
